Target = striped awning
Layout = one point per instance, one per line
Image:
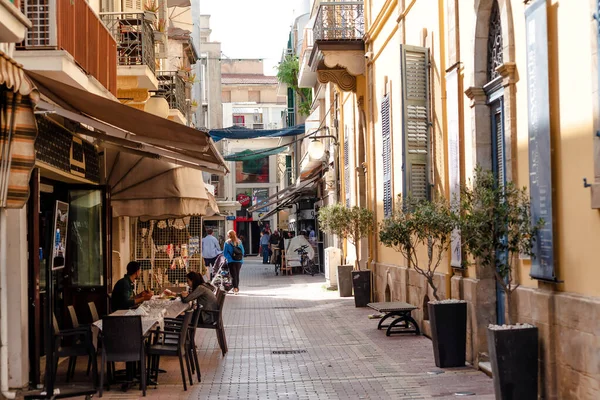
(18, 131)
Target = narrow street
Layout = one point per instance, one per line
(341, 354)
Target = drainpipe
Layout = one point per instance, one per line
(4, 309)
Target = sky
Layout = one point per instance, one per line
(252, 29)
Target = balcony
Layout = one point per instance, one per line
(136, 56)
(68, 42)
(337, 54)
(13, 24)
(173, 88)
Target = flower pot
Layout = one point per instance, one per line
(361, 283)
(344, 280)
(514, 359)
(193, 108)
(448, 323)
(150, 16)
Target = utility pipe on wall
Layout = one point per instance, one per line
(4, 308)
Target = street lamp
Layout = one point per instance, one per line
(316, 149)
(157, 105)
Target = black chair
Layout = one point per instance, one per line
(217, 324)
(73, 343)
(93, 311)
(165, 343)
(175, 324)
(123, 341)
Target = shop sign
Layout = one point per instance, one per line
(243, 199)
(230, 218)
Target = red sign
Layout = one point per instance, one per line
(243, 199)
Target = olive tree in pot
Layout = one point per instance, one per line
(421, 232)
(496, 228)
(353, 224)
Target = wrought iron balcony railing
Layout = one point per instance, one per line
(342, 20)
(72, 26)
(174, 90)
(134, 36)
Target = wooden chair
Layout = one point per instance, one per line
(284, 265)
(217, 324)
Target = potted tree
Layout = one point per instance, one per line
(496, 228)
(352, 224)
(421, 231)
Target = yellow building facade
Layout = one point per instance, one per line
(457, 81)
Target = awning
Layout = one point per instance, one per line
(213, 208)
(286, 196)
(130, 129)
(238, 132)
(248, 155)
(18, 130)
(153, 189)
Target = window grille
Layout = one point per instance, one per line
(167, 250)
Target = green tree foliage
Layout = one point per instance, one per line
(352, 223)
(287, 72)
(496, 227)
(420, 224)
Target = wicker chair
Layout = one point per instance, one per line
(123, 341)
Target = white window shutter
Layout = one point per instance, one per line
(133, 6)
(386, 139)
(416, 122)
(347, 167)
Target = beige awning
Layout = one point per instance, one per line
(18, 131)
(153, 189)
(131, 129)
(213, 208)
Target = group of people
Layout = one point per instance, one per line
(269, 243)
(233, 251)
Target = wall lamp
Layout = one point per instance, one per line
(316, 148)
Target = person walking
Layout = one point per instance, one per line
(274, 244)
(210, 250)
(234, 254)
(265, 245)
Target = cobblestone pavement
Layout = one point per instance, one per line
(337, 351)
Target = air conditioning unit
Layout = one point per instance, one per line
(333, 258)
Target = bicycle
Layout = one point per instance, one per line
(308, 266)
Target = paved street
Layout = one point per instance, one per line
(340, 353)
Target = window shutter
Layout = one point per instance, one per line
(387, 156)
(498, 146)
(133, 6)
(416, 124)
(346, 167)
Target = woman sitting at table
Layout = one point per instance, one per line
(203, 294)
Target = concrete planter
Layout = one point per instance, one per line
(361, 283)
(448, 333)
(344, 280)
(514, 359)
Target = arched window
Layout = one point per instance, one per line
(495, 50)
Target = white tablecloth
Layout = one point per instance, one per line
(153, 312)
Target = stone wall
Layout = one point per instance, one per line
(569, 325)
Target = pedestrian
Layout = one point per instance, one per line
(234, 254)
(265, 245)
(210, 250)
(274, 244)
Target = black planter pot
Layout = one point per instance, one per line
(514, 359)
(361, 283)
(448, 323)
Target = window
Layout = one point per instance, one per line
(254, 95)
(387, 156)
(416, 122)
(252, 171)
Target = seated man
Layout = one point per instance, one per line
(123, 297)
(292, 257)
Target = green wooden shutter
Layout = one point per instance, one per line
(416, 123)
(386, 138)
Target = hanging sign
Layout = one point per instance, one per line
(540, 146)
(243, 199)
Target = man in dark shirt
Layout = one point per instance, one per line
(122, 294)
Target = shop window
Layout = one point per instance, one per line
(239, 120)
(252, 171)
(416, 121)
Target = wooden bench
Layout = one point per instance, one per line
(403, 320)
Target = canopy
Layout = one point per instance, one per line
(248, 155)
(18, 131)
(238, 132)
(154, 189)
(130, 129)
